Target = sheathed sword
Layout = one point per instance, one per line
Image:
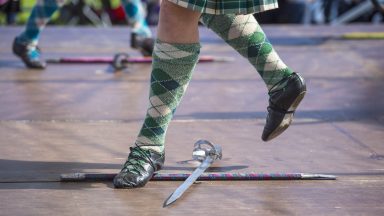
(203, 151)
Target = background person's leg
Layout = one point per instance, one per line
(25, 45)
(135, 13)
(40, 16)
(174, 58)
(141, 37)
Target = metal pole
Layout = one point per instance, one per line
(354, 13)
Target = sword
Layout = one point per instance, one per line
(203, 151)
(248, 176)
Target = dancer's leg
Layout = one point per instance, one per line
(286, 89)
(245, 35)
(174, 58)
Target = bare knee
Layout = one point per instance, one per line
(177, 24)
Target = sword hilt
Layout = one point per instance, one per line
(203, 149)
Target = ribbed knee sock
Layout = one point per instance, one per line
(245, 35)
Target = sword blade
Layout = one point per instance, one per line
(188, 182)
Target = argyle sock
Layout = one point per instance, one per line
(245, 35)
(135, 13)
(172, 69)
(40, 16)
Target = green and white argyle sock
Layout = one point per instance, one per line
(245, 35)
(172, 69)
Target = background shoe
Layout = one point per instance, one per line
(29, 54)
(139, 168)
(145, 45)
(285, 97)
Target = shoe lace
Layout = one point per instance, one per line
(137, 159)
(277, 86)
(33, 52)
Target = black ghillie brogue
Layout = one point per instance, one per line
(144, 44)
(284, 97)
(30, 54)
(139, 168)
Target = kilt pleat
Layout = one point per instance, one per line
(227, 6)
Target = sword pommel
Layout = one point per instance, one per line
(204, 149)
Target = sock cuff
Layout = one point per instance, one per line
(184, 46)
(176, 51)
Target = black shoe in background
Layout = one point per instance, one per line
(145, 45)
(29, 54)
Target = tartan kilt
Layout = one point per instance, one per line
(218, 7)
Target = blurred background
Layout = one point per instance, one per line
(104, 13)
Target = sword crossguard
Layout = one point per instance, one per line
(203, 149)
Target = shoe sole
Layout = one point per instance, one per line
(286, 121)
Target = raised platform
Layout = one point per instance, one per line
(83, 118)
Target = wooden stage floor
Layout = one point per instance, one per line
(83, 118)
